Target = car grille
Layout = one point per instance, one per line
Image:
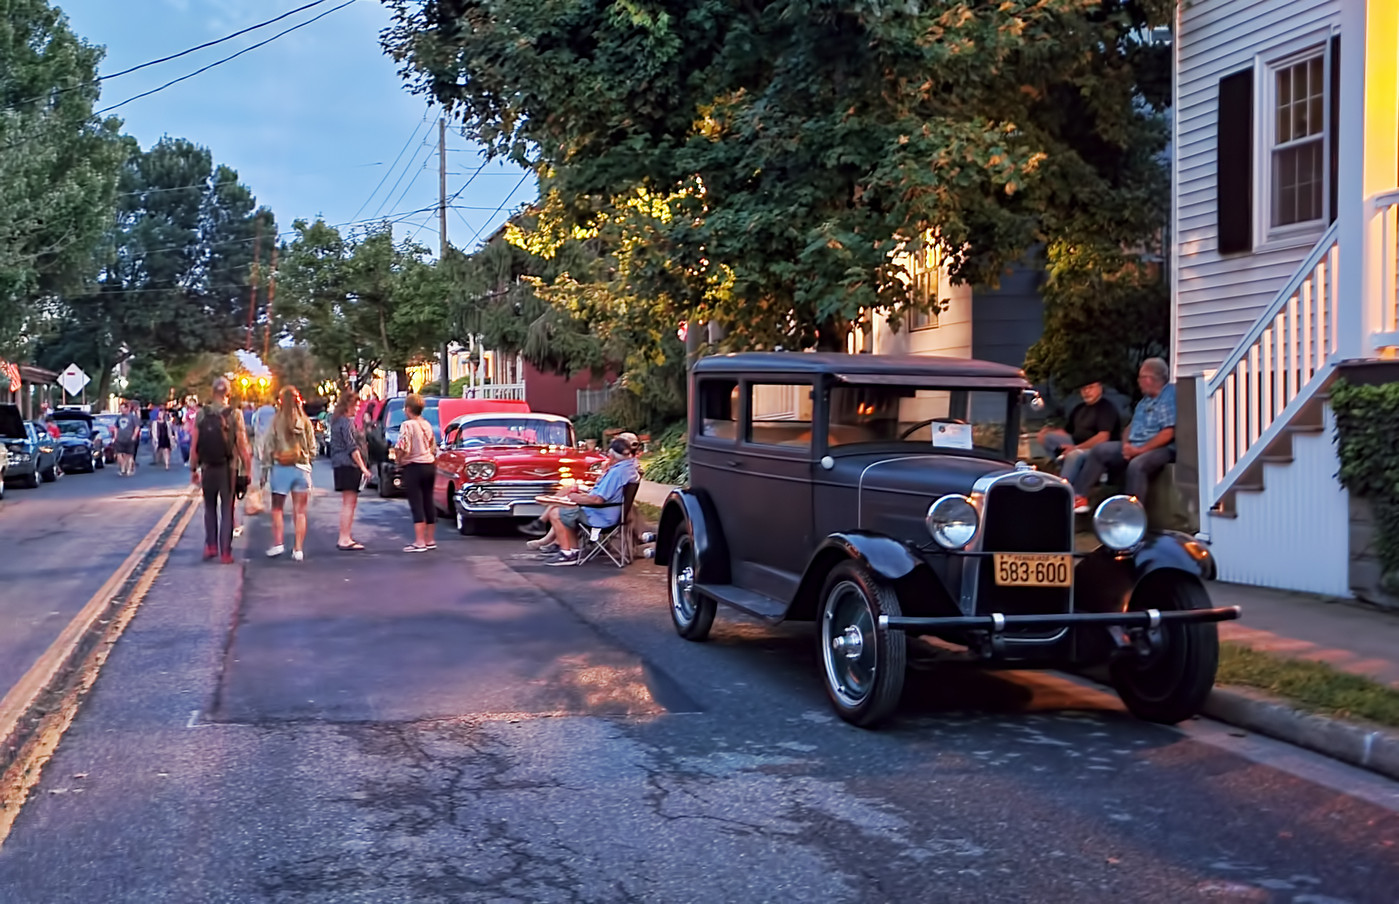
(504, 494)
(1019, 520)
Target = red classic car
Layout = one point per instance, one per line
(494, 464)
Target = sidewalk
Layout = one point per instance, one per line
(653, 493)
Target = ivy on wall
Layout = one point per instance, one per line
(1367, 443)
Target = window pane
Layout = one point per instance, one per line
(780, 415)
(1284, 129)
(718, 407)
(1297, 183)
(945, 419)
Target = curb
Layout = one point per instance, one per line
(1371, 748)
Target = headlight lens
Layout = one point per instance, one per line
(952, 521)
(480, 470)
(1120, 522)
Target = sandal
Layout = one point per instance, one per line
(352, 546)
(413, 548)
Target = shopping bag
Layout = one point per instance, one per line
(252, 502)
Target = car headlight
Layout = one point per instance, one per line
(953, 521)
(480, 470)
(19, 456)
(1120, 522)
(393, 455)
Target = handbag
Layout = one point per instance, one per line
(252, 503)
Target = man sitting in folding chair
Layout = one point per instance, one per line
(598, 515)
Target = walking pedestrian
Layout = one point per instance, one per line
(218, 448)
(291, 446)
(128, 435)
(416, 454)
(160, 438)
(347, 458)
(187, 421)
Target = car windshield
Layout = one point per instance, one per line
(969, 420)
(73, 428)
(513, 431)
(397, 414)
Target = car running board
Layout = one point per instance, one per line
(997, 623)
(755, 604)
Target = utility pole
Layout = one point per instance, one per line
(446, 382)
(252, 289)
(271, 296)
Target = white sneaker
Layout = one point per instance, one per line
(297, 555)
(238, 531)
(275, 551)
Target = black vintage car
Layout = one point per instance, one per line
(31, 453)
(879, 498)
(80, 442)
(382, 433)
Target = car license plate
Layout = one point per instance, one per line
(1033, 570)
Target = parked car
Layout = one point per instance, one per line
(50, 452)
(879, 497)
(382, 433)
(79, 440)
(493, 465)
(107, 424)
(32, 452)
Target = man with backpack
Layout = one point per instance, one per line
(218, 453)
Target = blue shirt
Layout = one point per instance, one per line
(1152, 415)
(610, 487)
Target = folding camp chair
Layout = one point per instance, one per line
(615, 541)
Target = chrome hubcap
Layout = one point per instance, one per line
(849, 652)
(850, 643)
(682, 583)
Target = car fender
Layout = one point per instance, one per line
(694, 509)
(886, 557)
(1106, 582)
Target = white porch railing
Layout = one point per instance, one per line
(1271, 374)
(591, 401)
(1386, 211)
(513, 391)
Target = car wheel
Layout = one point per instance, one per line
(465, 526)
(862, 664)
(383, 481)
(691, 612)
(1170, 685)
(52, 474)
(100, 463)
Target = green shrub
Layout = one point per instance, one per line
(669, 461)
(593, 426)
(1367, 443)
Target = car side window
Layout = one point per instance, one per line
(779, 414)
(718, 408)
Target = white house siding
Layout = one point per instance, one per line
(1216, 299)
(1270, 545)
(952, 337)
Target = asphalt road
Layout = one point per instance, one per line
(471, 726)
(60, 542)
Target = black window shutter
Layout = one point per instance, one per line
(1234, 163)
(1335, 123)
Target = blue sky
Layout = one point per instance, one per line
(311, 122)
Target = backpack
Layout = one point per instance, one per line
(214, 445)
(287, 455)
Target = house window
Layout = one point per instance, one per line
(923, 270)
(1298, 105)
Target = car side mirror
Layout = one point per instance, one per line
(1033, 399)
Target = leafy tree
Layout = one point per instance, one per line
(1106, 311)
(148, 381)
(360, 302)
(59, 165)
(299, 366)
(176, 277)
(757, 164)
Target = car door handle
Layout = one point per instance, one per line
(734, 463)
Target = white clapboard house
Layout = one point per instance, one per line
(1285, 249)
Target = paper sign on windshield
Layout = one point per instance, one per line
(952, 436)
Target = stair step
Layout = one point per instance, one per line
(1252, 487)
(1223, 513)
(1307, 428)
(1277, 459)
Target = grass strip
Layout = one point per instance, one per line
(1313, 686)
(648, 511)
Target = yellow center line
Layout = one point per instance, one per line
(16, 706)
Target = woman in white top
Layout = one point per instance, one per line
(416, 454)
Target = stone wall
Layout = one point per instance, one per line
(1366, 574)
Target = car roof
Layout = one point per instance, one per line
(510, 415)
(862, 365)
(72, 414)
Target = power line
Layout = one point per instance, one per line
(501, 207)
(414, 181)
(205, 46)
(165, 59)
(392, 166)
(226, 59)
(399, 180)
